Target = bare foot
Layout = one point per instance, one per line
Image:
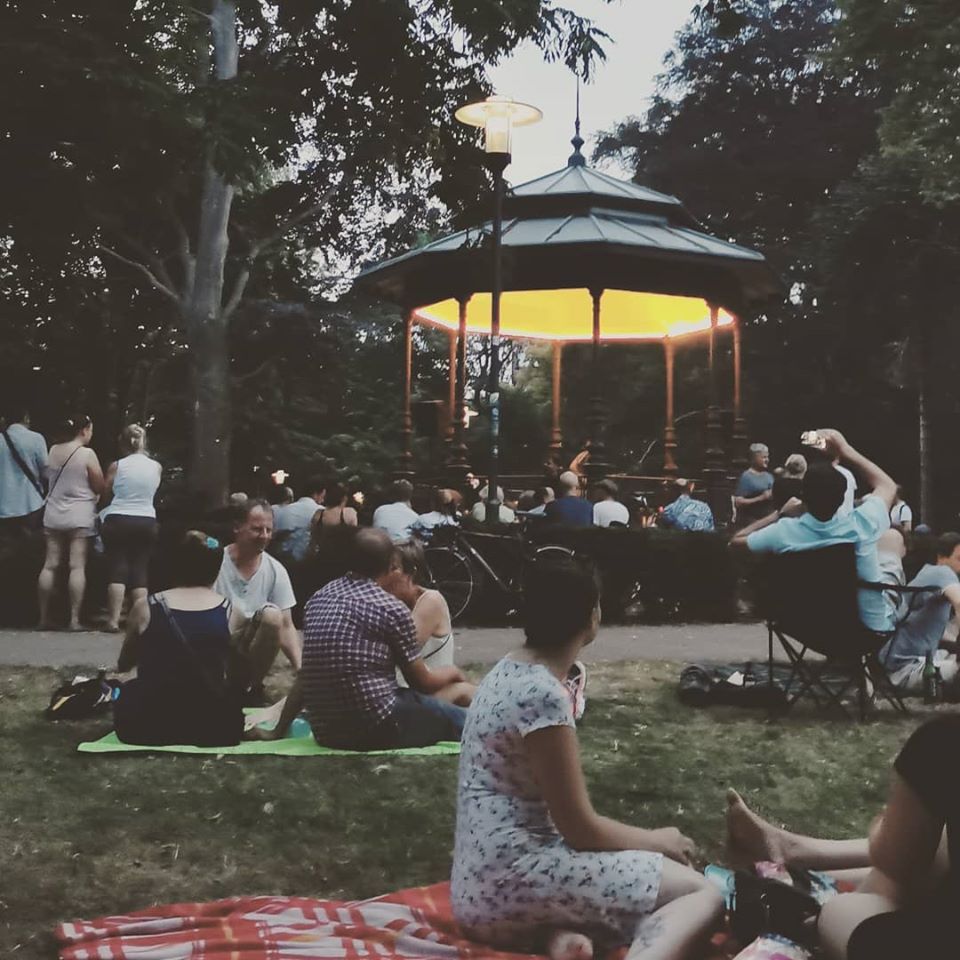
(567, 945)
(77, 627)
(111, 628)
(749, 837)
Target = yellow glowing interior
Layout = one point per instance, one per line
(568, 315)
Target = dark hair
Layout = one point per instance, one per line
(372, 553)
(560, 595)
(317, 483)
(824, 488)
(76, 424)
(412, 560)
(196, 560)
(401, 491)
(243, 510)
(336, 493)
(947, 543)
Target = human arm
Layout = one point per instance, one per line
(107, 494)
(424, 680)
(292, 707)
(431, 617)
(94, 473)
(880, 483)
(137, 621)
(289, 638)
(555, 761)
(749, 501)
(792, 508)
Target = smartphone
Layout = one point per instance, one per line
(810, 438)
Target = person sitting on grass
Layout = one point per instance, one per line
(431, 617)
(356, 635)
(188, 686)
(923, 622)
(535, 868)
(906, 871)
(258, 587)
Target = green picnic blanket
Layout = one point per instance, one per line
(298, 746)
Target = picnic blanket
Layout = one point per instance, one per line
(415, 924)
(289, 747)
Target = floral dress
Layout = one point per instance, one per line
(514, 877)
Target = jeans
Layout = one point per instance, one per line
(421, 720)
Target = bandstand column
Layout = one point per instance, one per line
(739, 423)
(452, 387)
(556, 432)
(457, 465)
(597, 466)
(714, 472)
(405, 468)
(669, 432)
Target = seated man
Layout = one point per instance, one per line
(685, 513)
(820, 522)
(293, 521)
(397, 517)
(356, 635)
(608, 509)
(257, 586)
(569, 508)
(479, 511)
(923, 621)
(444, 503)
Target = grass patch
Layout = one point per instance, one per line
(82, 836)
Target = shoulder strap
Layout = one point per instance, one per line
(60, 471)
(21, 463)
(214, 684)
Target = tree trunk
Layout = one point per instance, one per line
(206, 326)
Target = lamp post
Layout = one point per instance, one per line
(497, 116)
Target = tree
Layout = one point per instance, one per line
(190, 143)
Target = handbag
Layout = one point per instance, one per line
(81, 699)
(763, 905)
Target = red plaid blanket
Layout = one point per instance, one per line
(407, 925)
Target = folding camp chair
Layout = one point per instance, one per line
(809, 602)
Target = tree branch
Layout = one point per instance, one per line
(256, 371)
(154, 282)
(257, 248)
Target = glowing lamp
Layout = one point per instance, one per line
(498, 116)
(279, 477)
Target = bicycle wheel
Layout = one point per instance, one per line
(552, 551)
(450, 573)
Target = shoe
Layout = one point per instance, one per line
(576, 684)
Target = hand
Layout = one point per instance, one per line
(794, 507)
(835, 443)
(766, 495)
(673, 844)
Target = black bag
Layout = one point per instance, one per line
(702, 686)
(762, 905)
(83, 699)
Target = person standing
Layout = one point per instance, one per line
(75, 482)
(129, 521)
(901, 516)
(754, 489)
(23, 464)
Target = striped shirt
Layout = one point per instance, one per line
(356, 635)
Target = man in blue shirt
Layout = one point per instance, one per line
(23, 462)
(754, 489)
(569, 508)
(685, 513)
(819, 522)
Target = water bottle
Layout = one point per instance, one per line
(929, 680)
(300, 727)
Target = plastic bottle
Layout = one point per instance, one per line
(929, 680)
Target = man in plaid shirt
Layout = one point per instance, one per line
(356, 635)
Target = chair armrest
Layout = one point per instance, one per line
(898, 588)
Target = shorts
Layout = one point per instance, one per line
(128, 543)
(927, 931)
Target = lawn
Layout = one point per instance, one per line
(85, 835)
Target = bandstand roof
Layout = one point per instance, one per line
(568, 232)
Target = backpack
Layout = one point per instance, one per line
(83, 698)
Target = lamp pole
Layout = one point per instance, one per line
(497, 116)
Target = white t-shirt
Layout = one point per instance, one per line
(270, 584)
(479, 512)
(900, 513)
(397, 519)
(610, 511)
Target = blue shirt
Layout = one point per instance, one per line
(862, 528)
(923, 618)
(572, 511)
(685, 513)
(18, 496)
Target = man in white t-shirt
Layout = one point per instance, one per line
(258, 588)
(901, 516)
(398, 518)
(608, 509)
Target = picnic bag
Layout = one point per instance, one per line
(82, 698)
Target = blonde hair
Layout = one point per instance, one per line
(133, 438)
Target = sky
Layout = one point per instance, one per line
(641, 33)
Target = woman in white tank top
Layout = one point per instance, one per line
(129, 521)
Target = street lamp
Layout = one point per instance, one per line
(497, 116)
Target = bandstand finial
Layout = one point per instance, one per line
(577, 159)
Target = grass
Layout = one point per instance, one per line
(81, 836)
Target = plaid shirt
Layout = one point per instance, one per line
(356, 635)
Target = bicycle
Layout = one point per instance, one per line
(459, 571)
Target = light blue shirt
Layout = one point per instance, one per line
(18, 496)
(861, 527)
(398, 519)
